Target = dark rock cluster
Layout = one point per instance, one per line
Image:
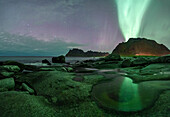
(8, 72)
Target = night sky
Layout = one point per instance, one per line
(52, 27)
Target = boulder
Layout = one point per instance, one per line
(11, 68)
(46, 62)
(1, 63)
(20, 104)
(27, 88)
(126, 63)
(6, 74)
(3, 89)
(64, 69)
(20, 65)
(1, 76)
(27, 71)
(59, 59)
(69, 69)
(113, 57)
(7, 83)
(140, 61)
(31, 68)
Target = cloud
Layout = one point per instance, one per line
(14, 45)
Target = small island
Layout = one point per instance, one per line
(75, 52)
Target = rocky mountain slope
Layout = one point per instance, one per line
(141, 47)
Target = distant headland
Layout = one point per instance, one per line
(75, 52)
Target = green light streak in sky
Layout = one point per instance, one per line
(130, 14)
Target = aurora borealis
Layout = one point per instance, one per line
(130, 14)
(87, 24)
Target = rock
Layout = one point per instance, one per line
(20, 65)
(21, 104)
(64, 69)
(113, 57)
(1, 76)
(27, 88)
(126, 63)
(140, 61)
(7, 83)
(46, 62)
(59, 59)
(77, 62)
(31, 68)
(69, 69)
(163, 59)
(11, 68)
(27, 71)
(156, 69)
(3, 89)
(7, 74)
(141, 47)
(54, 99)
(1, 63)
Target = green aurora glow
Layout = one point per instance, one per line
(130, 14)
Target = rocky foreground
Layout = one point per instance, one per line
(69, 89)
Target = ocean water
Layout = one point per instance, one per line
(37, 60)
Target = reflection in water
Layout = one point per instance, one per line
(120, 93)
(130, 95)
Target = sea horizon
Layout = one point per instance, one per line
(37, 60)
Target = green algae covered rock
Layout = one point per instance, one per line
(11, 68)
(7, 83)
(113, 57)
(163, 59)
(20, 65)
(93, 79)
(69, 69)
(7, 74)
(18, 104)
(126, 63)
(58, 86)
(140, 61)
(27, 88)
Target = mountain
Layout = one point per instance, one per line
(75, 52)
(141, 47)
